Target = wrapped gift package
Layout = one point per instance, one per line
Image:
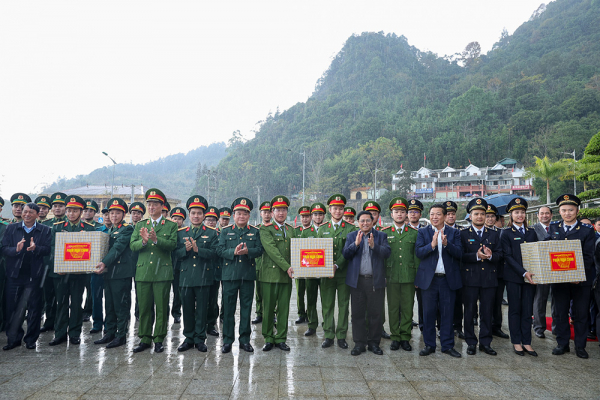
(312, 258)
(554, 261)
(79, 252)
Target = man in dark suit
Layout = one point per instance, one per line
(24, 246)
(366, 251)
(439, 248)
(540, 301)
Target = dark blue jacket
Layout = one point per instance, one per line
(13, 235)
(511, 240)
(380, 251)
(586, 234)
(451, 254)
(482, 273)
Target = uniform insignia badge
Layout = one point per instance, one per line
(204, 237)
(280, 199)
(370, 204)
(338, 198)
(43, 199)
(20, 197)
(250, 234)
(89, 203)
(566, 197)
(518, 201)
(448, 204)
(412, 202)
(72, 200)
(478, 201)
(58, 197)
(116, 202)
(152, 193)
(196, 200)
(243, 202)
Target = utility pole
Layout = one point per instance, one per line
(112, 186)
(574, 178)
(375, 192)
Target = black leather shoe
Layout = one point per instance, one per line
(257, 320)
(500, 334)
(74, 340)
(176, 320)
(141, 347)
(414, 324)
(519, 352)
(158, 347)
(459, 334)
(541, 335)
(327, 343)
(395, 345)
(105, 339)
(452, 352)
(30, 346)
(592, 336)
(46, 329)
(226, 348)
(86, 318)
(504, 302)
(213, 332)
(283, 346)
(11, 346)
(427, 351)
(268, 347)
(94, 331)
(185, 346)
(531, 353)
(116, 342)
(357, 350)
(56, 341)
(201, 347)
(471, 349)
(342, 344)
(300, 320)
(405, 345)
(560, 350)
(310, 332)
(385, 335)
(487, 350)
(247, 347)
(375, 350)
(581, 353)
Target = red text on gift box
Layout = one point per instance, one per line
(563, 261)
(312, 258)
(78, 251)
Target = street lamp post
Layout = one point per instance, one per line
(574, 180)
(112, 186)
(375, 192)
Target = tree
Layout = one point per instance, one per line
(546, 170)
(470, 56)
(377, 156)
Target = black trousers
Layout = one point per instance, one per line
(367, 300)
(520, 311)
(486, 296)
(457, 323)
(23, 294)
(497, 306)
(563, 293)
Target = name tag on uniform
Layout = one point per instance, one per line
(250, 234)
(278, 234)
(391, 237)
(204, 237)
(326, 233)
(471, 240)
(517, 238)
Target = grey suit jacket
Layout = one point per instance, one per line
(540, 231)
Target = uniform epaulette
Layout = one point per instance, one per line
(387, 227)
(412, 227)
(289, 225)
(587, 225)
(269, 224)
(59, 222)
(255, 227)
(228, 226)
(554, 222)
(88, 224)
(182, 228)
(214, 229)
(125, 224)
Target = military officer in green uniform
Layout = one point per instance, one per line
(94, 288)
(337, 229)
(239, 247)
(317, 211)
(224, 217)
(401, 270)
(196, 251)
(3, 225)
(18, 201)
(155, 238)
(178, 215)
(43, 203)
(211, 219)
(69, 287)
(276, 274)
(58, 205)
(166, 209)
(305, 222)
(265, 216)
(117, 269)
(90, 211)
(349, 215)
(136, 211)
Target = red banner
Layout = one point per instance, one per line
(563, 261)
(312, 258)
(78, 251)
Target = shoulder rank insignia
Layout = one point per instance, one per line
(388, 227)
(182, 228)
(410, 226)
(59, 222)
(210, 227)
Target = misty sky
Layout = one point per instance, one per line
(142, 80)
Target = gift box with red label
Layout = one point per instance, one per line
(554, 261)
(79, 252)
(312, 258)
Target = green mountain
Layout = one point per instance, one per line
(176, 175)
(536, 92)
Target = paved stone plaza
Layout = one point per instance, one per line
(89, 371)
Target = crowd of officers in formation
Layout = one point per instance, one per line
(160, 254)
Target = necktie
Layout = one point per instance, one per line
(522, 230)
(479, 234)
(153, 224)
(335, 227)
(283, 230)
(568, 228)
(547, 230)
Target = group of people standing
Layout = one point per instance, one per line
(458, 275)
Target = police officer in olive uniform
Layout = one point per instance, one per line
(43, 203)
(211, 219)
(481, 255)
(239, 247)
(195, 254)
(155, 238)
(136, 211)
(304, 213)
(117, 269)
(349, 215)
(178, 215)
(415, 210)
(401, 270)
(276, 274)
(336, 229)
(166, 209)
(95, 286)
(69, 287)
(18, 201)
(265, 216)
(573, 297)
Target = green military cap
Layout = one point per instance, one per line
(450, 206)
(304, 210)
(155, 195)
(75, 202)
(20, 198)
(265, 206)
(89, 203)
(196, 201)
(241, 203)
(212, 212)
(41, 201)
(350, 211)
(279, 202)
(337, 200)
(415, 205)
(137, 206)
(59, 198)
(225, 212)
(166, 206)
(104, 210)
(399, 202)
(371, 206)
(1, 202)
(477, 204)
(179, 212)
(117, 204)
(317, 207)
